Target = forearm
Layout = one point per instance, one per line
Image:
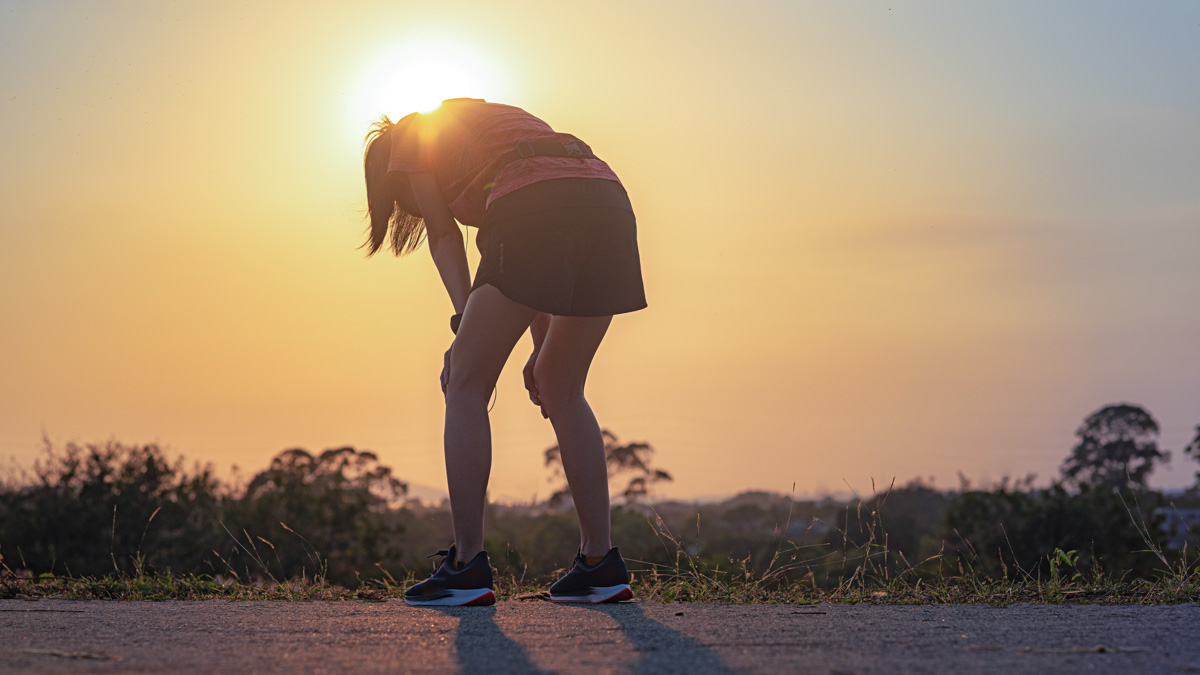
(537, 329)
(445, 240)
(450, 257)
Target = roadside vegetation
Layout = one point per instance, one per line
(125, 522)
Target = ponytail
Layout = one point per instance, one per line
(385, 195)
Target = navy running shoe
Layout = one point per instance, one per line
(455, 587)
(608, 581)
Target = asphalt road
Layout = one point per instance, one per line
(354, 636)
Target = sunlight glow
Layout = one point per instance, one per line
(417, 77)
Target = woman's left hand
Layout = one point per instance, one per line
(531, 384)
(446, 370)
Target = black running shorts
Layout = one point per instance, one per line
(567, 247)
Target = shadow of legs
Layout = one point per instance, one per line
(480, 645)
(660, 649)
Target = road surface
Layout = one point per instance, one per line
(356, 636)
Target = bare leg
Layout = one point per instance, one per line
(491, 326)
(560, 373)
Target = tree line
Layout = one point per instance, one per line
(342, 515)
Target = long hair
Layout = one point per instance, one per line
(390, 205)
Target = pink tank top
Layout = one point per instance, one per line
(462, 142)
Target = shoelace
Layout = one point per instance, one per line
(581, 562)
(445, 554)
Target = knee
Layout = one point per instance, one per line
(555, 391)
(463, 383)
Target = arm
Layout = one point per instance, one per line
(445, 240)
(537, 330)
(446, 247)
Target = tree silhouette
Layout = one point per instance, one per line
(334, 471)
(106, 507)
(316, 510)
(1118, 445)
(630, 459)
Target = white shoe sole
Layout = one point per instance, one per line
(458, 598)
(599, 594)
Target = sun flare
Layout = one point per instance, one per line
(418, 77)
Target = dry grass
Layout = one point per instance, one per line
(678, 585)
(687, 580)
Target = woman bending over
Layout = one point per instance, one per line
(559, 257)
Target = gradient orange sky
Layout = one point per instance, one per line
(879, 239)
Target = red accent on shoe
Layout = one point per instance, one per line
(488, 598)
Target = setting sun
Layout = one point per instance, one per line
(417, 77)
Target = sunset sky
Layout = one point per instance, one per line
(880, 240)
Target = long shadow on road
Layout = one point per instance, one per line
(661, 649)
(482, 647)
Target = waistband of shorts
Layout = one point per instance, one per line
(560, 193)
